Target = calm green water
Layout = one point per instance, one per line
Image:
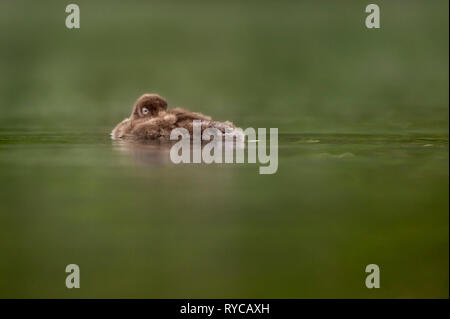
(363, 173)
(139, 226)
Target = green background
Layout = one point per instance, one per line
(363, 150)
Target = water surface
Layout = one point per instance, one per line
(141, 226)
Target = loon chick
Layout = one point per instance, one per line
(150, 119)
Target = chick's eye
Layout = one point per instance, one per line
(145, 111)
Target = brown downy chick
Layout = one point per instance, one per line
(150, 119)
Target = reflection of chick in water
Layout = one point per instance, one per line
(150, 119)
(145, 152)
